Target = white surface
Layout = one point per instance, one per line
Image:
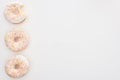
(70, 39)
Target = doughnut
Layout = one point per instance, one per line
(16, 39)
(17, 66)
(14, 13)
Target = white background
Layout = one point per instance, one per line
(69, 39)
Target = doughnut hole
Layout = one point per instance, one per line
(17, 38)
(17, 66)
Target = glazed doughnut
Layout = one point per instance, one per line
(17, 66)
(14, 13)
(16, 39)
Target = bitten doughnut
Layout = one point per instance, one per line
(14, 13)
(16, 39)
(17, 66)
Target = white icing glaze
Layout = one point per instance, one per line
(16, 39)
(21, 70)
(14, 12)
